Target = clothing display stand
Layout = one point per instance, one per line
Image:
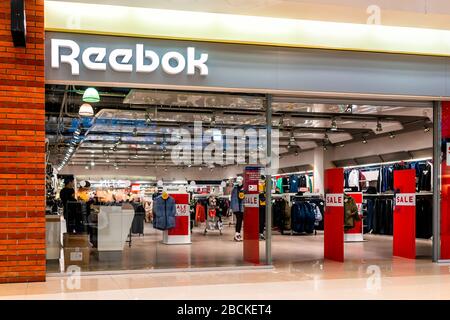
(181, 234)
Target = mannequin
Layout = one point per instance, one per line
(237, 205)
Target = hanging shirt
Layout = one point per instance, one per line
(280, 184)
(353, 179)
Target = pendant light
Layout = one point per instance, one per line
(86, 110)
(91, 95)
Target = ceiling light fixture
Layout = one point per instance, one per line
(91, 95)
(86, 110)
(334, 126)
(341, 145)
(426, 128)
(364, 140)
(379, 126)
(391, 135)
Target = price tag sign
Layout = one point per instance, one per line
(334, 200)
(182, 210)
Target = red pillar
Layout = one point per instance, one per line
(445, 183)
(404, 244)
(334, 215)
(251, 215)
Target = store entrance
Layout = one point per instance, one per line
(157, 179)
(369, 141)
(152, 179)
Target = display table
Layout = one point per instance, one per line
(114, 225)
(53, 237)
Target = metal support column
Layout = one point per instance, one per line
(437, 138)
(269, 180)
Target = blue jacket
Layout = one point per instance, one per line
(164, 213)
(237, 205)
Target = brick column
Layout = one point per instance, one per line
(22, 148)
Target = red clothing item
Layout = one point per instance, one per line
(212, 213)
(200, 213)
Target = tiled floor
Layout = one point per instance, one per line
(214, 250)
(299, 272)
(389, 279)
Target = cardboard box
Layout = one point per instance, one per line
(75, 240)
(78, 256)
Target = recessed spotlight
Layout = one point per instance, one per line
(364, 140)
(426, 128)
(341, 145)
(391, 135)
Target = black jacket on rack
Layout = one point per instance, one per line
(424, 217)
(423, 176)
(280, 209)
(303, 217)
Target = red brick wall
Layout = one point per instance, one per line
(22, 149)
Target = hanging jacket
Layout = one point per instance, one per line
(317, 214)
(294, 183)
(350, 212)
(164, 212)
(200, 212)
(237, 205)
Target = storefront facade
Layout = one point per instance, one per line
(83, 53)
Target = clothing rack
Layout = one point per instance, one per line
(393, 194)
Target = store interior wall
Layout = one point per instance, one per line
(409, 141)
